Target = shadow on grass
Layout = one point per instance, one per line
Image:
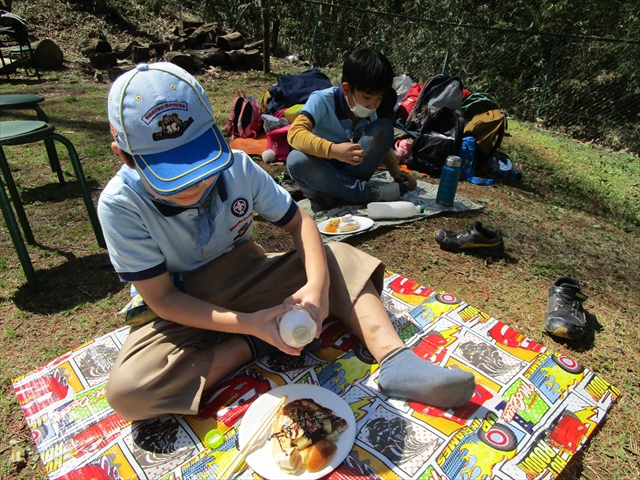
(55, 192)
(76, 282)
(23, 81)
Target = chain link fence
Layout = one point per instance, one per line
(586, 87)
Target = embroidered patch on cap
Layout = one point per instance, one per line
(172, 127)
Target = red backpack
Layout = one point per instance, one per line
(245, 118)
(409, 100)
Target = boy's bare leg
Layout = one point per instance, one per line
(402, 373)
(228, 356)
(370, 322)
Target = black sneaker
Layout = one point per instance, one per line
(565, 315)
(477, 239)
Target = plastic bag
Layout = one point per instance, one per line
(401, 85)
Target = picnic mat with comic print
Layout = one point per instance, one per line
(532, 411)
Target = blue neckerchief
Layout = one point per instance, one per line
(207, 225)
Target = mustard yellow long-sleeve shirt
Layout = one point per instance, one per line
(302, 138)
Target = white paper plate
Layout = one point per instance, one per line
(365, 223)
(261, 460)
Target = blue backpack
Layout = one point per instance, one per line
(468, 157)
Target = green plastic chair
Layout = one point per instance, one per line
(30, 101)
(20, 132)
(14, 231)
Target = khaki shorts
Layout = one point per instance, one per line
(162, 365)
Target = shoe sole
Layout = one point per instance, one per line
(494, 250)
(563, 332)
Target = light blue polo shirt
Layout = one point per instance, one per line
(146, 238)
(326, 110)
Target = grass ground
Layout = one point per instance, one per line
(575, 212)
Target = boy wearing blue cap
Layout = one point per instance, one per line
(177, 219)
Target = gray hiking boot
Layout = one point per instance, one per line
(565, 315)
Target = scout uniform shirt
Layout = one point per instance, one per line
(147, 237)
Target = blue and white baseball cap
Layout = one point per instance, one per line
(161, 115)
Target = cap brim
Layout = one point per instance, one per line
(173, 171)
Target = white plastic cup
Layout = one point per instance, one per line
(296, 327)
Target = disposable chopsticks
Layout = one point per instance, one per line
(257, 435)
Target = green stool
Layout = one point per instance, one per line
(20, 132)
(29, 101)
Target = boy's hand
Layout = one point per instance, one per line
(401, 176)
(347, 152)
(263, 326)
(314, 301)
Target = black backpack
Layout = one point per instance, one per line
(440, 136)
(441, 91)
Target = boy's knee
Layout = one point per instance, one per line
(127, 398)
(293, 161)
(381, 127)
(340, 249)
(300, 166)
(296, 158)
(382, 133)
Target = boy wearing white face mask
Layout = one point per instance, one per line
(338, 141)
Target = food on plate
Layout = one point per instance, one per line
(304, 435)
(332, 226)
(319, 454)
(348, 224)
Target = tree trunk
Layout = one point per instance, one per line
(265, 36)
(253, 59)
(100, 6)
(158, 49)
(103, 61)
(140, 54)
(251, 46)
(274, 36)
(211, 56)
(47, 54)
(185, 24)
(95, 45)
(236, 57)
(189, 62)
(123, 50)
(207, 33)
(232, 41)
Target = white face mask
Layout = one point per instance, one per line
(359, 110)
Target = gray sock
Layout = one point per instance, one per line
(405, 375)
